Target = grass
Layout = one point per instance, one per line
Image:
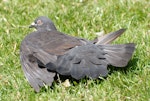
(79, 18)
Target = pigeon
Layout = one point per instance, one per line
(47, 52)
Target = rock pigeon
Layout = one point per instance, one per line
(47, 51)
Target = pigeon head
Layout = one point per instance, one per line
(43, 23)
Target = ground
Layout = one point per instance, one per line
(80, 18)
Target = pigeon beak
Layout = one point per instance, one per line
(32, 25)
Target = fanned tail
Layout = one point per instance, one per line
(92, 60)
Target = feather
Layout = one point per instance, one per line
(108, 38)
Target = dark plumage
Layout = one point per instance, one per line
(47, 51)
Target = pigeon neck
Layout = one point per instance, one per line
(43, 29)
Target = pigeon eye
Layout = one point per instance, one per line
(39, 22)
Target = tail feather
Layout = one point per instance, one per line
(118, 55)
(92, 60)
(108, 38)
(89, 69)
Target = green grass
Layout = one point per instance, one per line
(80, 19)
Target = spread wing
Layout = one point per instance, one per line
(36, 75)
(40, 48)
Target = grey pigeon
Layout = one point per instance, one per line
(47, 51)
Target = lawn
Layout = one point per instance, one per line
(80, 18)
